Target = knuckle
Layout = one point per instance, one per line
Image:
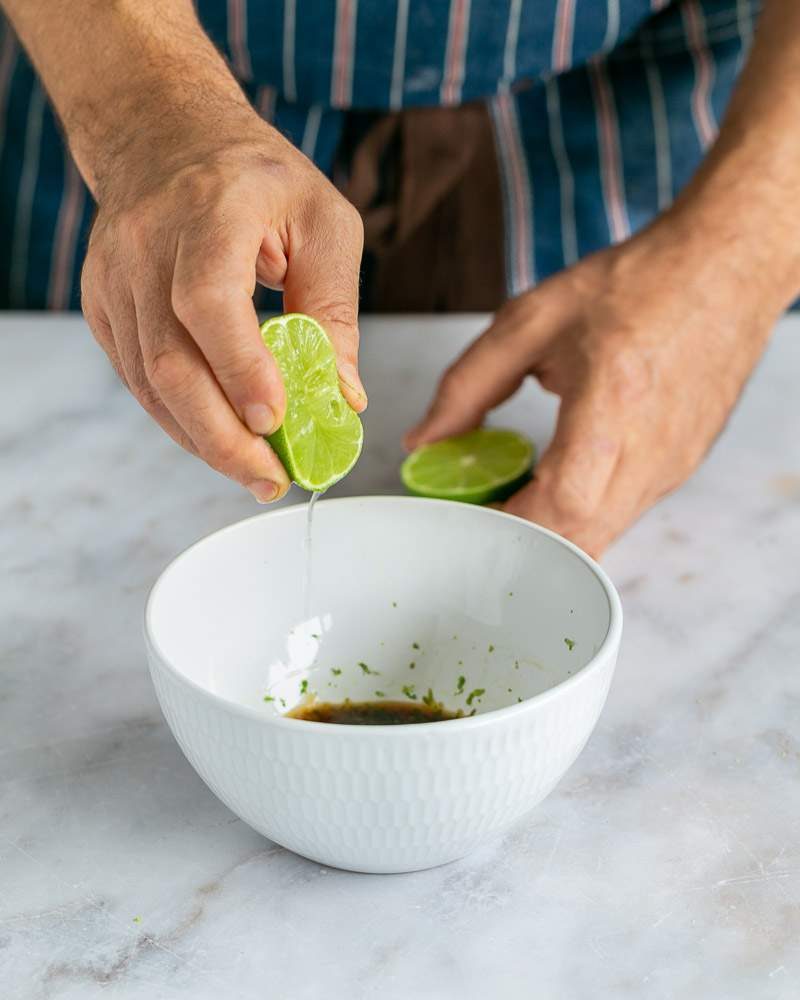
(244, 369)
(221, 452)
(193, 302)
(572, 500)
(166, 370)
(631, 374)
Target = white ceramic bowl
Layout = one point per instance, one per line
(459, 591)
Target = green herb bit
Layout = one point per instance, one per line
(428, 699)
(314, 635)
(516, 664)
(137, 920)
(415, 645)
(411, 665)
(379, 694)
(460, 686)
(491, 649)
(303, 686)
(519, 700)
(268, 697)
(394, 604)
(511, 593)
(336, 671)
(408, 691)
(477, 693)
(461, 663)
(283, 703)
(365, 669)
(570, 643)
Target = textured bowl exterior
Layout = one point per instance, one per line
(384, 800)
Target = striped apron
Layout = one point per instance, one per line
(600, 110)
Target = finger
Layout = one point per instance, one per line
(130, 366)
(491, 369)
(180, 375)
(573, 478)
(322, 281)
(212, 297)
(271, 262)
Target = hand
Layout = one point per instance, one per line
(648, 344)
(188, 220)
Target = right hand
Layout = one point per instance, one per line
(187, 223)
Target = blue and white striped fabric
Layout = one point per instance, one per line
(601, 112)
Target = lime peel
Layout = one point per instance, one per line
(481, 466)
(321, 437)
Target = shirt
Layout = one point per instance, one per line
(601, 111)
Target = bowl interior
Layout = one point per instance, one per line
(400, 596)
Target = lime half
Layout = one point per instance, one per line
(478, 467)
(320, 438)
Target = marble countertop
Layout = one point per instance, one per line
(666, 864)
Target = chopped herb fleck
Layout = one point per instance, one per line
(461, 663)
(379, 694)
(455, 637)
(519, 700)
(415, 645)
(509, 691)
(460, 686)
(137, 920)
(408, 691)
(511, 593)
(314, 635)
(516, 664)
(477, 693)
(411, 665)
(429, 699)
(365, 669)
(303, 686)
(570, 643)
(268, 697)
(491, 648)
(336, 671)
(283, 702)
(394, 604)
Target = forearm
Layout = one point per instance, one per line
(746, 196)
(117, 70)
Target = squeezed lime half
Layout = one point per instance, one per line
(320, 438)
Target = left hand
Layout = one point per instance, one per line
(648, 344)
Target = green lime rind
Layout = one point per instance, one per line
(321, 436)
(482, 466)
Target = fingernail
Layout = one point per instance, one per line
(263, 490)
(349, 376)
(259, 418)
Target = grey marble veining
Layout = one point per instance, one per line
(666, 864)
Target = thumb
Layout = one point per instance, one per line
(322, 281)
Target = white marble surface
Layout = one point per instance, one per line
(667, 864)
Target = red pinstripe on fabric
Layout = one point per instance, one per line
(455, 56)
(704, 70)
(237, 38)
(343, 50)
(265, 103)
(610, 152)
(66, 237)
(519, 198)
(562, 35)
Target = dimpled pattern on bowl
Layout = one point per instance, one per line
(382, 799)
(388, 804)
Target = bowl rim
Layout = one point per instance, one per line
(604, 650)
